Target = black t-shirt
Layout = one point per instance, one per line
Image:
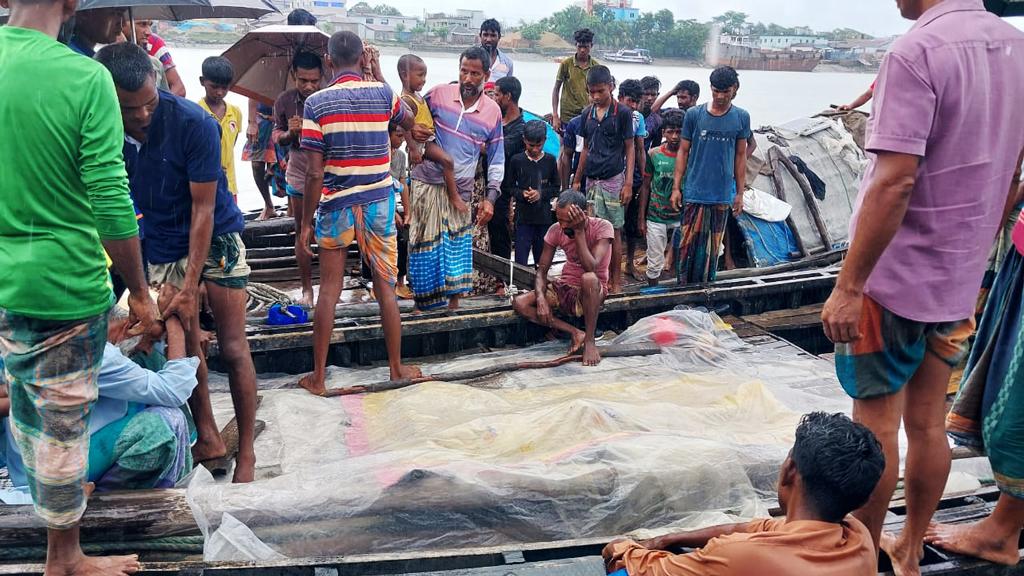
(607, 140)
(513, 145)
(540, 175)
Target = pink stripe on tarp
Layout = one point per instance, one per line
(358, 441)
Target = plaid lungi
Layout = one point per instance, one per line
(52, 369)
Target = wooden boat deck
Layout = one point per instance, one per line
(127, 518)
(490, 322)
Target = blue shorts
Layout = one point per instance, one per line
(291, 191)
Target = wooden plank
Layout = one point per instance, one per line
(270, 241)
(275, 263)
(229, 435)
(709, 295)
(257, 228)
(497, 266)
(788, 319)
(111, 517)
(281, 274)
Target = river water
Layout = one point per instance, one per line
(770, 97)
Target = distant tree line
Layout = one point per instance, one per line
(660, 32)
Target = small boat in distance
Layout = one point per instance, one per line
(636, 56)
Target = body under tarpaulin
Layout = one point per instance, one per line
(692, 436)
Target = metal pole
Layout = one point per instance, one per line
(131, 22)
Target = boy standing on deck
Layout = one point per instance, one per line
(607, 160)
(63, 200)
(659, 220)
(349, 187)
(712, 162)
(307, 72)
(533, 177)
(216, 79)
(631, 94)
(400, 178)
(570, 95)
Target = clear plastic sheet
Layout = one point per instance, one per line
(686, 438)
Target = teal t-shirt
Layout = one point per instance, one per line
(711, 168)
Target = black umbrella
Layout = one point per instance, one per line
(180, 9)
(185, 9)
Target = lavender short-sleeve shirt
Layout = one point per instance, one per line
(948, 91)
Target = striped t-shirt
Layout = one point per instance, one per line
(157, 48)
(348, 123)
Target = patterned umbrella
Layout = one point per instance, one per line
(180, 9)
(262, 59)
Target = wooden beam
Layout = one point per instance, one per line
(610, 351)
(111, 517)
(499, 267)
(709, 295)
(788, 319)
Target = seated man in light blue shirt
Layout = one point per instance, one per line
(140, 432)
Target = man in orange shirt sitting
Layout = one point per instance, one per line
(831, 471)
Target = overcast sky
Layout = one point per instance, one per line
(876, 17)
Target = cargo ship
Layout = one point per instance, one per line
(743, 57)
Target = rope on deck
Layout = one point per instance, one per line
(187, 545)
(263, 296)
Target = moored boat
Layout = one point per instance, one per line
(634, 56)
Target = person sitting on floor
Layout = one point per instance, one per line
(139, 429)
(831, 471)
(583, 286)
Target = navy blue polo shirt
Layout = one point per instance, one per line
(607, 139)
(182, 146)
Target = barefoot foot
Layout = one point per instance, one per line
(905, 559)
(406, 372)
(93, 566)
(207, 449)
(578, 338)
(314, 384)
(307, 299)
(245, 468)
(978, 540)
(268, 213)
(591, 357)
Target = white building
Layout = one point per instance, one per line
(407, 22)
(475, 17)
(329, 6)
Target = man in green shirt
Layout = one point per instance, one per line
(571, 95)
(63, 200)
